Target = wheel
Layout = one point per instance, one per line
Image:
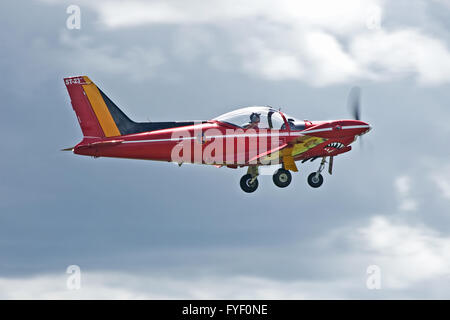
(246, 185)
(314, 181)
(282, 178)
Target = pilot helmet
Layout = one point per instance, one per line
(254, 117)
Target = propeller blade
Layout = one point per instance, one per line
(354, 106)
(354, 102)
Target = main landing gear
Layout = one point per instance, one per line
(249, 182)
(282, 177)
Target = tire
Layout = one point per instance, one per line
(245, 183)
(313, 181)
(282, 178)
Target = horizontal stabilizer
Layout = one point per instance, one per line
(101, 144)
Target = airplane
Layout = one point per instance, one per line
(247, 137)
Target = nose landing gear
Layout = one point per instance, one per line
(315, 179)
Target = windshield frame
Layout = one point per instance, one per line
(295, 124)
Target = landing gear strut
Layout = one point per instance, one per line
(249, 182)
(315, 179)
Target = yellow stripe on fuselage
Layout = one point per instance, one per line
(306, 144)
(100, 109)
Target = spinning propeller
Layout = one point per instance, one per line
(354, 102)
(354, 105)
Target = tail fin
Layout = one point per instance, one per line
(100, 117)
(97, 114)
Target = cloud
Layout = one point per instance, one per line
(321, 42)
(403, 187)
(406, 254)
(121, 285)
(396, 54)
(411, 258)
(442, 181)
(87, 57)
(270, 63)
(321, 13)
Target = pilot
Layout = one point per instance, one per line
(291, 124)
(254, 121)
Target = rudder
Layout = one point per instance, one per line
(89, 105)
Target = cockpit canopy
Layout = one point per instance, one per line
(269, 119)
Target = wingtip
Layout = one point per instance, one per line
(68, 149)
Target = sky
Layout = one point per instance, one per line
(142, 229)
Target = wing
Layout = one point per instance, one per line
(268, 154)
(287, 152)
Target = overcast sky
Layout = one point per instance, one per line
(141, 229)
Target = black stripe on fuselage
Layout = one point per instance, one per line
(128, 126)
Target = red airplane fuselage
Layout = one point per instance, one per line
(159, 145)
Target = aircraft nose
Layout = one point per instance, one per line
(365, 127)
